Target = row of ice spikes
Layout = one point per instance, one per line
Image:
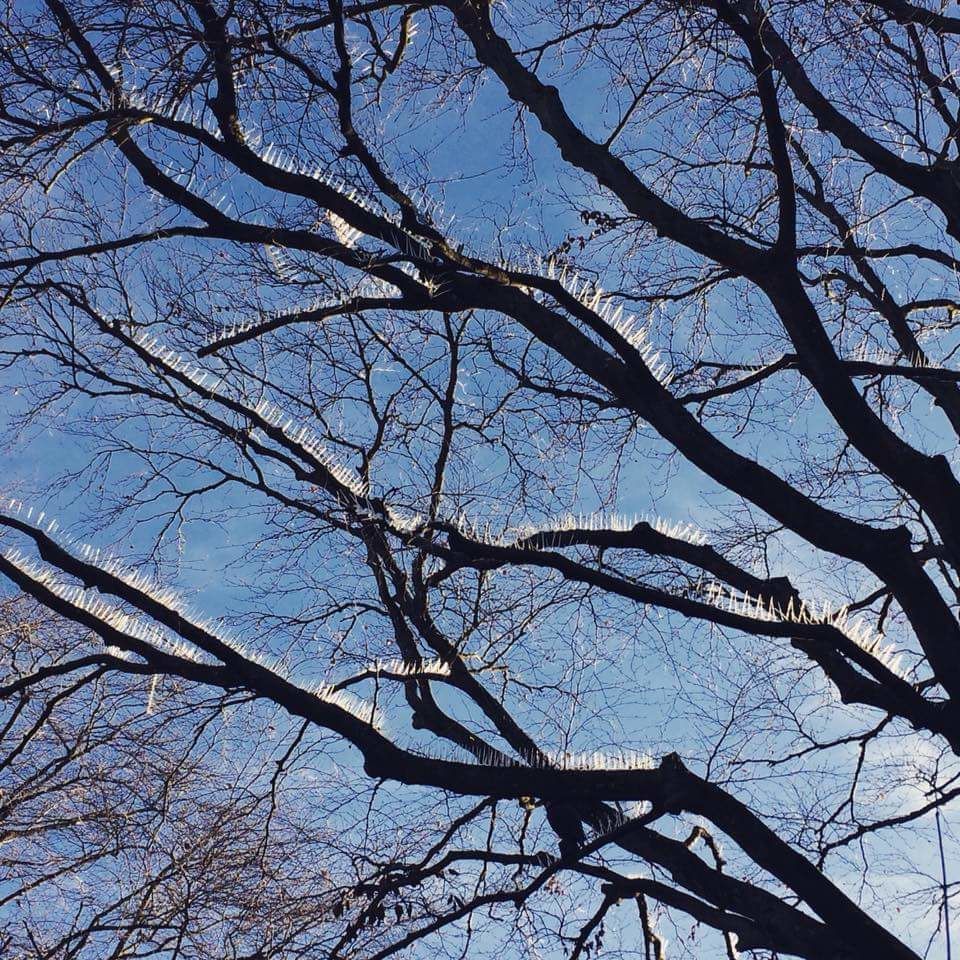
(551, 531)
(614, 820)
(367, 287)
(107, 613)
(629, 327)
(679, 530)
(591, 296)
(362, 709)
(283, 267)
(169, 598)
(864, 354)
(428, 207)
(587, 293)
(402, 521)
(597, 760)
(290, 271)
(403, 669)
(824, 613)
(153, 635)
(276, 157)
(198, 376)
(343, 231)
(303, 437)
(92, 555)
(162, 108)
(299, 434)
(219, 199)
(111, 564)
(271, 154)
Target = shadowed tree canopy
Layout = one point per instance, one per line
(481, 479)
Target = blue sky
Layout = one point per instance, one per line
(211, 558)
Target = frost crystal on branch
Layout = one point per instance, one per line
(342, 230)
